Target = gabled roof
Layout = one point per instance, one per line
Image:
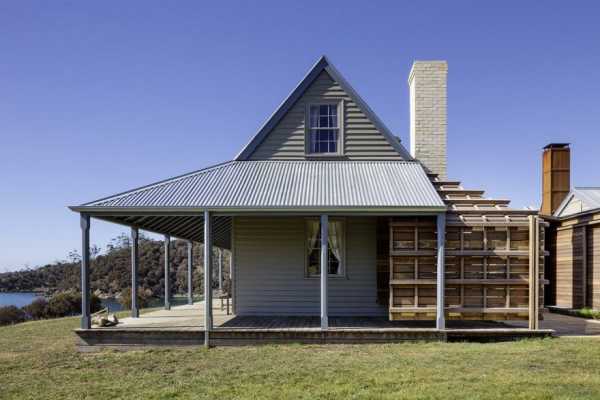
(323, 64)
(579, 200)
(252, 186)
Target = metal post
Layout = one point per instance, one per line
(324, 270)
(220, 270)
(167, 272)
(207, 277)
(189, 272)
(533, 272)
(135, 312)
(441, 270)
(86, 321)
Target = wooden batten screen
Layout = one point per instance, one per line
(487, 271)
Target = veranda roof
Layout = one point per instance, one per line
(174, 206)
(286, 185)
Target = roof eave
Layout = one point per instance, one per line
(100, 210)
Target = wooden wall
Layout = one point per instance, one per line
(487, 271)
(575, 262)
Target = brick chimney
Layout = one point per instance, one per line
(428, 114)
(556, 178)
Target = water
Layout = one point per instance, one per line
(17, 299)
(25, 298)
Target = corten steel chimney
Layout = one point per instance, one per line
(556, 178)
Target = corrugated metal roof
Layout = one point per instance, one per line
(297, 185)
(579, 200)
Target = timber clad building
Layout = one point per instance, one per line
(328, 216)
(574, 234)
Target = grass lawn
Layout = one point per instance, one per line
(38, 361)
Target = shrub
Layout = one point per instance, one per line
(69, 303)
(125, 298)
(38, 309)
(11, 315)
(63, 304)
(588, 313)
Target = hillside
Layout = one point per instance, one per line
(111, 270)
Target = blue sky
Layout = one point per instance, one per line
(97, 98)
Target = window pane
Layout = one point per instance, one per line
(332, 147)
(323, 147)
(323, 109)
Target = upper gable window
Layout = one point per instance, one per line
(324, 129)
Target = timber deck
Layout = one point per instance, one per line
(183, 326)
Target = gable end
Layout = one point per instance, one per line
(364, 137)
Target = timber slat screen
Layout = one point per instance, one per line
(487, 266)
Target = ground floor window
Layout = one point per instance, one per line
(335, 262)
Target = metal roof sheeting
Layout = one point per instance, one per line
(579, 200)
(287, 184)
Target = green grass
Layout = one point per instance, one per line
(38, 360)
(588, 313)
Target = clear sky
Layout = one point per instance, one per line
(97, 98)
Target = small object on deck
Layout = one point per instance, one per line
(103, 319)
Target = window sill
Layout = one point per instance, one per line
(325, 156)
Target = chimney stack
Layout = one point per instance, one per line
(556, 179)
(428, 114)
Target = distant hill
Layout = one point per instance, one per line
(111, 271)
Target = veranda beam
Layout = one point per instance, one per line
(324, 270)
(207, 277)
(86, 321)
(440, 321)
(167, 272)
(190, 259)
(135, 312)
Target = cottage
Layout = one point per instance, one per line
(573, 235)
(328, 215)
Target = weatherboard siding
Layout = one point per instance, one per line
(362, 140)
(270, 278)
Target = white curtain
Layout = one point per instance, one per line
(313, 233)
(335, 236)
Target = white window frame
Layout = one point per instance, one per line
(340, 139)
(342, 270)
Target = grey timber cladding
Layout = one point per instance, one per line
(361, 139)
(270, 275)
(297, 185)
